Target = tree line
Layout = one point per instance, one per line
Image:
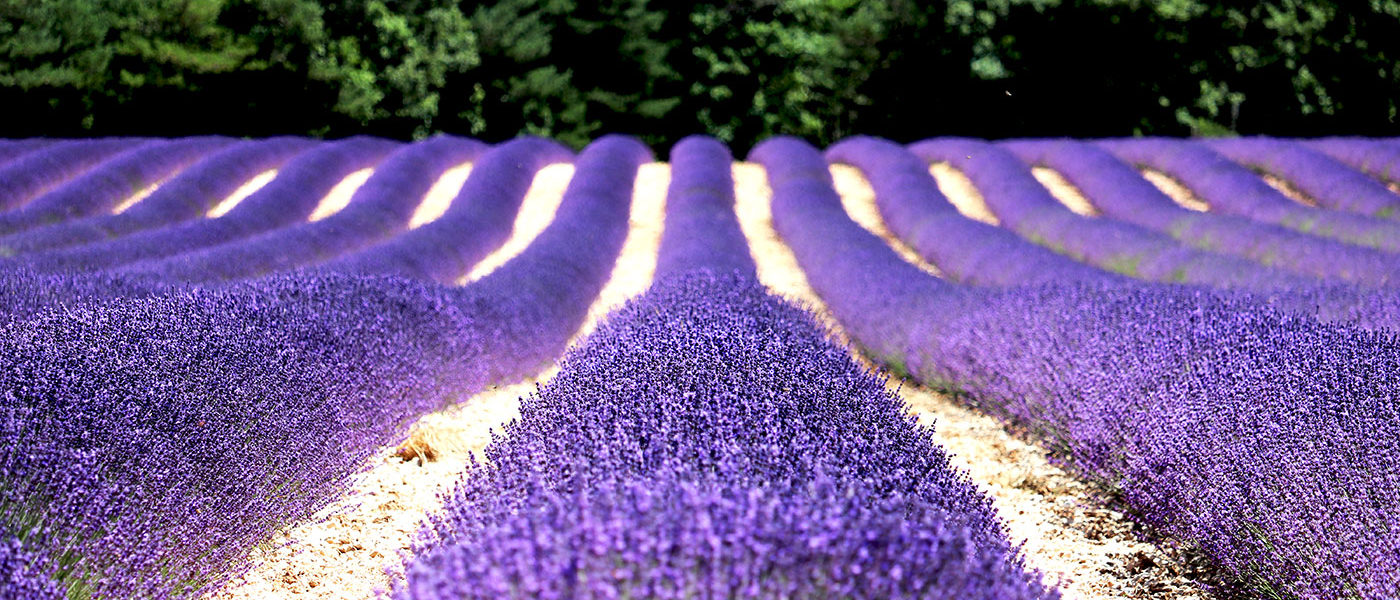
(741, 70)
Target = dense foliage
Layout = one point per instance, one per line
(742, 69)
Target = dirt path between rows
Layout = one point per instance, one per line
(1068, 533)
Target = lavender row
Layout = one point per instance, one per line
(1265, 440)
(104, 187)
(32, 173)
(149, 444)
(918, 213)
(1376, 158)
(188, 195)
(702, 230)
(1120, 192)
(288, 199)
(478, 220)
(1232, 189)
(381, 207)
(708, 441)
(1023, 205)
(11, 149)
(1321, 178)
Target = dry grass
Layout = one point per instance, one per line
(1180, 194)
(1065, 192)
(962, 193)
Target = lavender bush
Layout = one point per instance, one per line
(702, 231)
(1376, 158)
(1322, 179)
(1266, 440)
(32, 173)
(12, 149)
(189, 195)
(1232, 189)
(289, 198)
(1120, 192)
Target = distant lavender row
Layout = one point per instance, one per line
(381, 207)
(188, 195)
(289, 198)
(709, 441)
(1232, 189)
(1120, 192)
(12, 149)
(917, 213)
(1022, 204)
(1321, 178)
(33, 173)
(478, 221)
(149, 444)
(1267, 441)
(1373, 157)
(111, 182)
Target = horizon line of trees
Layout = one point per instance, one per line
(740, 70)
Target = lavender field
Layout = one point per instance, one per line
(1033, 368)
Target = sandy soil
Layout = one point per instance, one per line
(440, 196)
(536, 212)
(1392, 186)
(1068, 532)
(1286, 188)
(355, 548)
(960, 191)
(227, 204)
(339, 196)
(140, 195)
(858, 198)
(1179, 193)
(1065, 192)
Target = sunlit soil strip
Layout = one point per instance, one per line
(140, 195)
(858, 198)
(440, 196)
(354, 549)
(1287, 189)
(1065, 192)
(1173, 189)
(340, 195)
(960, 191)
(1068, 534)
(636, 264)
(243, 191)
(536, 212)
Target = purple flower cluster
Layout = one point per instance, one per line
(968, 251)
(288, 199)
(708, 441)
(1022, 204)
(1321, 178)
(190, 194)
(1232, 189)
(40, 168)
(1376, 158)
(478, 220)
(702, 231)
(1120, 192)
(1266, 440)
(102, 188)
(11, 149)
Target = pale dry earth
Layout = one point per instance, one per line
(355, 548)
(440, 196)
(339, 196)
(1180, 194)
(537, 209)
(1064, 191)
(140, 195)
(1287, 188)
(1068, 531)
(247, 189)
(961, 193)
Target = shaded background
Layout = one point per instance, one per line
(739, 70)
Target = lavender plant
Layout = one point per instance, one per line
(702, 231)
(1232, 189)
(1322, 179)
(32, 173)
(11, 149)
(1376, 158)
(1120, 192)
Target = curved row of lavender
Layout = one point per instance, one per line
(708, 440)
(190, 194)
(918, 213)
(1232, 189)
(1376, 158)
(1321, 178)
(148, 443)
(11, 149)
(1267, 441)
(32, 173)
(103, 188)
(1023, 205)
(478, 220)
(1120, 192)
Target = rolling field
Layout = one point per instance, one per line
(1123, 368)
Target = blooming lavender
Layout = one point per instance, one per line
(702, 231)
(31, 173)
(1376, 158)
(1235, 190)
(12, 149)
(1120, 192)
(1321, 178)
